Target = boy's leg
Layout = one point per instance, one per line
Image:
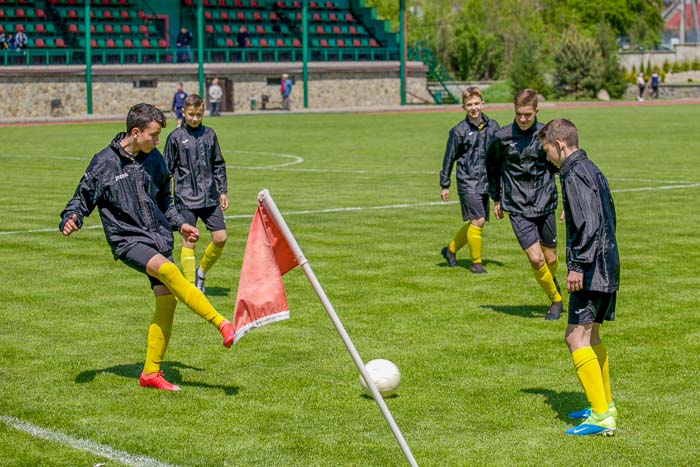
(542, 272)
(214, 220)
(213, 251)
(460, 239)
(165, 271)
(158, 336)
(602, 353)
(188, 262)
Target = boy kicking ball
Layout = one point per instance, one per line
(129, 183)
(594, 271)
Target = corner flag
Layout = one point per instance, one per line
(261, 298)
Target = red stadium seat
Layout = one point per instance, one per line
(349, 18)
(332, 17)
(126, 29)
(2, 14)
(145, 43)
(110, 43)
(323, 43)
(40, 28)
(225, 16)
(19, 13)
(240, 16)
(39, 43)
(208, 16)
(163, 43)
(106, 14)
(340, 43)
(60, 43)
(109, 29)
(73, 28)
(373, 43)
(128, 44)
(143, 29)
(39, 13)
(336, 30)
(227, 29)
(259, 29)
(229, 42)
(209, 29)
(257, 16)
(124, 14)
(279, 42)
(296, 42)
(263, 43)
(72, 14)
(356, 43)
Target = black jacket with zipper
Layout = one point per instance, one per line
(520, 176)
(466, 146)
(194, 158)
(132, 195)
(591, 245)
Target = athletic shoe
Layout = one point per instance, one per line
(226, 330)
(156, 380)
(449, 256)
(199, 280)
(477, 268)
(555, 310)
(585, 413)
(603, 424)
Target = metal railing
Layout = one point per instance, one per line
(113, 56)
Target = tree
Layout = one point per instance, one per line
(578, 66)
(527, 67)
(613, 79)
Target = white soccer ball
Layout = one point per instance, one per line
(385, 376)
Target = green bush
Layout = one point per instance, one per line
(578, 66)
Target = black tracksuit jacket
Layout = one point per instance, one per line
(132, 196)
(520, 176)
(466, 146)
(591, 247)
(199, 170)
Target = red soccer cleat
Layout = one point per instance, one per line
(226, 329)
(156, 380)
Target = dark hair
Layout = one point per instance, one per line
(561, 129)
(140, 115)
(525, 97)
(193, 100)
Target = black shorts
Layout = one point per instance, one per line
(138, 256)
(588, 306)
(531, 230)
(474, 206)
(212, 217)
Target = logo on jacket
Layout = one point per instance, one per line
(185, 141)
(120, 176)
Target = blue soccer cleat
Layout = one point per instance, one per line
(603, 425)
(585, 413)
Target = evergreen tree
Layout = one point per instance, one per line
(578, 66)
(613, 79)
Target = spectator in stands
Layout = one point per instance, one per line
(21, 40)
(179, 103)
(184, 44)
(3, 41)
(215, 93)
(286, 91)
(243, 39)
(11, 41)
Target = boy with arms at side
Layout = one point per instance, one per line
(129, 183)
(194, 158)
(466, 146)
(594, 271)
(521, 182)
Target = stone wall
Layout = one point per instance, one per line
(680, 53)
(29, 91)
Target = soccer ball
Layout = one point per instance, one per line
(385, 376)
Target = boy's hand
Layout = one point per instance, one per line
(189, 233)
(574, 281)
(445, 194)
(70, 226)
(497, 210)
(223, 200)
(562, 217)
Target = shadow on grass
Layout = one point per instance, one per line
(171, 370)
(218, 291)
(466, 264)
(562, 403)
(524, 311)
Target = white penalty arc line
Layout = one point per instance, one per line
(91, 447)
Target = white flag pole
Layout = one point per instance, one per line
(266, 199)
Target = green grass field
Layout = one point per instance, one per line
(485, 380)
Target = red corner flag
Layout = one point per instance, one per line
(261, 298)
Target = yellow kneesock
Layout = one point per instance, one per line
(588, 371)
(553, 267)
(460, 239)
(188, 263)
(474, 240)
(602, 354)
(188, 294)
(546, 281)
(159, 332)
(211, 256)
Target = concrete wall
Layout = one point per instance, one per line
(680, 53)
(28, 91)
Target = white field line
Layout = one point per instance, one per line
(96, 449)
(362, 208)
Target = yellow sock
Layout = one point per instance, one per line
(553, 267)
(474, 240)
(460, 239)
(211, 256)
(187, 261)
(602, 354)
(588, 371)
(546, 281)
(159, 332)
(188, 294)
